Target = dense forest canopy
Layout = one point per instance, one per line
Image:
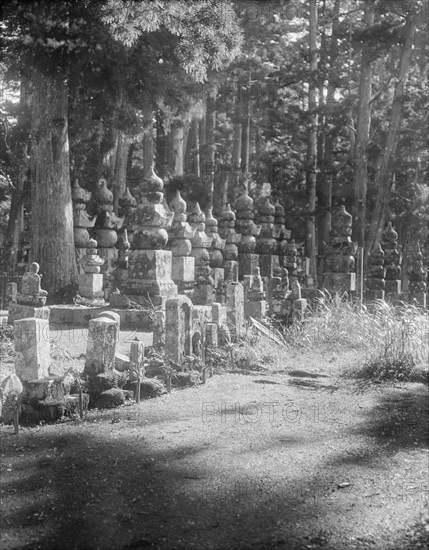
(315, 103)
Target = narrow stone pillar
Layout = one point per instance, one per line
(211, 339)
(235, 309)
(103, 337)
(32, 348)
(178, 328)
(255, 304)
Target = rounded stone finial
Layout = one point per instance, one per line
(197, 215)
(389, 234)
(126, 199)
(211, 222)
(178, 204)
(92, 243)
(244, 202)
(103, 195)
(34, 267)
(227, 213)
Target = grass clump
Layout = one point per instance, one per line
(391, 341)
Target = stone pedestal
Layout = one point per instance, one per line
(247, 264)
(178, 328)
(268, 263)
(341, 282)
(183, 273)
(19, 311)
(230, 271)
(32, 347)
(375, 283)
(211, 337)
(149, 277)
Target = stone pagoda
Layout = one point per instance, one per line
(248, 259)
(255, 304)
(180, 233)
(106, 227)
(339, 275)
(392, 259)
(232, 239)
(267, 244)
(290, 261)
(375, 283)
(91, 281)
(127, 205)
(203, 290)
(81, 220)
(417, 279)
(281, 234)
(216, 249)
(149, 281)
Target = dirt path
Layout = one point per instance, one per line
(272, 461)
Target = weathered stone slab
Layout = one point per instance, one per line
(103, 335)
(211, 339)
(32, 347)
(183, 269)
(247, 263)
(178, 328)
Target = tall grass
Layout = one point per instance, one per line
(392, 340)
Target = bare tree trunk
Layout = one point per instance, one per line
(311, 169)
(120, 171)
(360, 156)
(161, 148)
(148, 142)
(236, 140)
(176, 150)
(245, 155)
(20, 168)
(210, 148)
(384, 166)
(52, 212)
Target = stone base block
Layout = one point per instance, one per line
(247, 264)
(371, 295)
(257, 310)
(393, 286)
(150, 274)
(183, 269)
(19, 311)
(91, 285)
(203, 295)
(340, 282)
(211, 335)
(267, 264)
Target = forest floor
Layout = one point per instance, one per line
(294, 456)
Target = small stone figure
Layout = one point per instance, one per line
(31, 293)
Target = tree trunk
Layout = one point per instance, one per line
(210, 148)
(360, 156)
(245, 155)
(20, 170)
(161, 147)
(176, 150)
(148, 142)
(120, 171)
(311, 169)
(236, 140)
(385, 165)
(52, 211)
